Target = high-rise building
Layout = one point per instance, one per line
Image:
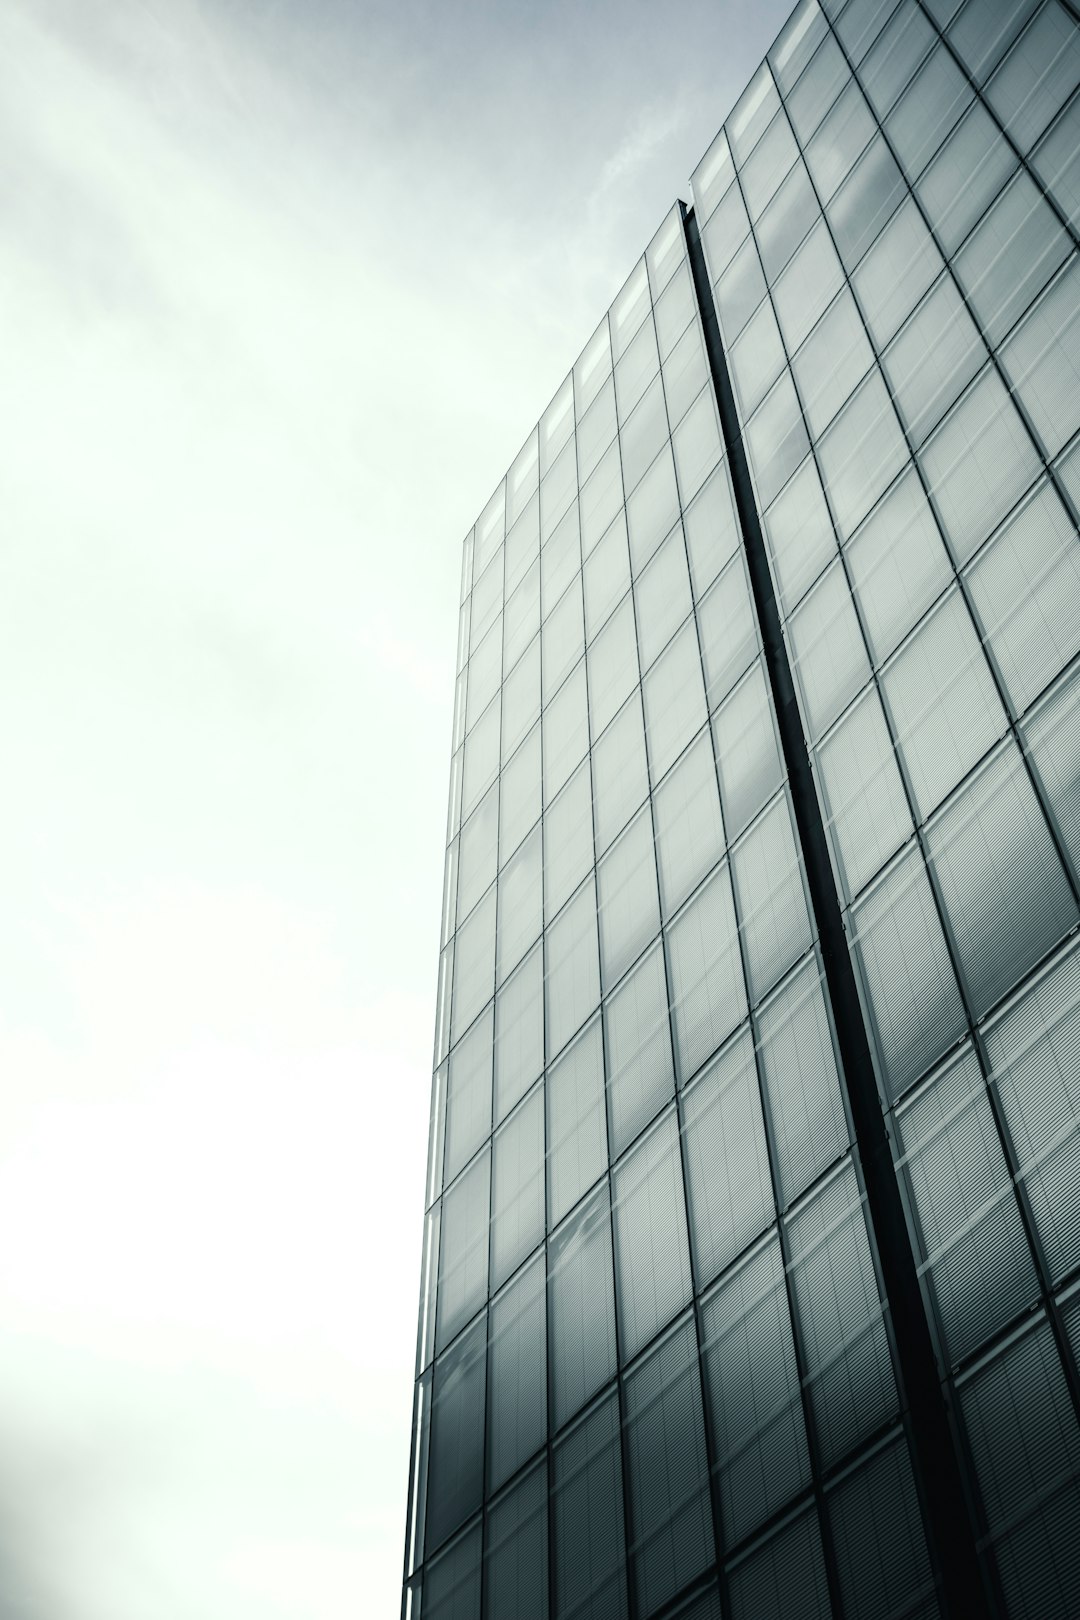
(751, 1278)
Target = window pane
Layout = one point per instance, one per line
(671, 1515)
(519, 1032)
(898, 564)
(772, 906)
(1043, 358)
(577, 1130)
(573, 978)
(652, 510)
(861, 453)
(727, 630)
(846, 1350)
(756, 359)
(566, 732)
(755, 1409)
(559, 561)
(1038, 75)
(456, 1474)
(663, 597)
(829, 651)
(515, 1561)
(712, 535)
(477, 850)
(596, 432)
(842, 136)
(727, 1164)
(865, 201)
(629, 901)
(966, 176)
(696, 444)
(638, 1036)
(606, 577)
(452, 1581)
(517, 1188)
(1002, 885)
(590, 1544)
(831, 362)
(474, 965)
(674, 694)
(582, 1307)
(1010, 256)
(968, 1222)
(517, 1374)
(945, 709)
(613, 671)
(746, 751)
(816, 91)
(807, 287)
(689, 832)
(463, 1261)
(868, 812)
(601, 499)
(784, 1578)
(809, 1126)
(801, 536)
(521, 903)
(881, 1547)
(636, 368)
(786, 221)
(620, 776)
(898, 269)
(650, 1237)
(708, 998)
(776, 440)
(933, 359)
(915, 1006)
(568, 840)
(521, 699)
(927, 110)
(468, 1099)
(739, 290)
(1026, 590)
(767, 165)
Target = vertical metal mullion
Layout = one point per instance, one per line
(948, 1527)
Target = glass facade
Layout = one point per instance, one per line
(751, 1275)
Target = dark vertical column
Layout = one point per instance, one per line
(948, 1526)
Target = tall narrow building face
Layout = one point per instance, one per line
(752, 1247)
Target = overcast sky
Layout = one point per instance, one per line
(283, 286)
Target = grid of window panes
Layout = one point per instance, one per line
(889, 221)
(651, 1334)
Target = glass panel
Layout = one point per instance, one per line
(1005, 894)
(689, 832)
(481, 763)
(573, 977)
(517, 1374)
(685, 373)
(784, 1578)
(897, 52)
(557, 492)
(674, 700)
(880, 1545)
(831, 362)
(861, 453)
(521, 620)
(652, 509)
(1026, 591)
(563, 638)
(739, 291)
(559, 562)
(944, 706)
(707, 994)
(566, 732)
(577, 1130)
(485, 669)
(798, 39)
(985, 29)
(845, 1347)
(521, 700)
(666, 253)
(725, 231)
(800, 532)
(477, 849)
(568, 840)
(606, 576)
(971, 1239)
(898, 565)
(651, 1252)
(452, 1582)
(663, 597)
(1038, 75)
(1043, 358)
(727, 1163)
(829, 652)
(643, 434)
(927, 110)
(1010, 256)
(1053, 741)
(933, 359)
(915, 1007)
(772, 906)
(712, 177)
(592, 369)
(755, 1409)
(613, 666)
(474, 965)
(756, 359)
(767, 165)
(601, 499)
(966, 176)
(696, 444)
(809, 1127)
(456, 1474)
(1057, 163)
(728, 631)
(786, 221)
(519, 1033)
(515, 1560)
(1033, 1050)
(629, 902)
(676, 309)
(521, 903)
(632, 305)
(776, 440)
(746, 751)
(868, 811)
(753, 112)
(636, 369)
(712, 534)
(865, 201)
(620, 775)
(807, 286)
(638, 1051)
(468, 1098)
(517, 1189)
(582, 1307)
(463, 1261)
(670, 1511)
(590, 1544)
(557, 426)
(896, 272)
(842, 136)
(598, 428)
(818, 88)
